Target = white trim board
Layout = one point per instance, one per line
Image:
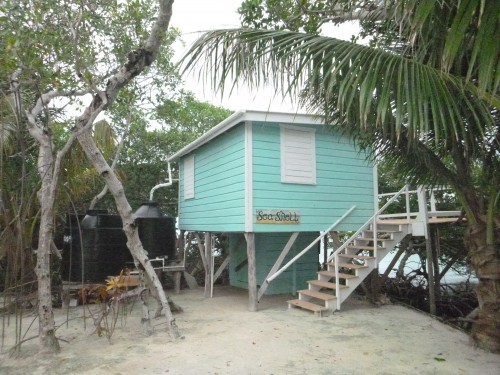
(243, 116)
(248, 177)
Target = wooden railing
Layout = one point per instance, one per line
(271, 277)
(423, 205)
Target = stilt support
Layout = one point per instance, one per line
(252, 277)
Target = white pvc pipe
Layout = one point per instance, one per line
(166, 184)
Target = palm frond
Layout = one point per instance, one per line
(105, 138)
(380, 89)
(463, 34)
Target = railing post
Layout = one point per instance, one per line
(375, 218)
(365, 225)
(337, 281)
(433, 202)
(375, 236)
(407, 195)
(277, 273)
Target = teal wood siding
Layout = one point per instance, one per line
(268, 247)
(343, 178)
(219, 186)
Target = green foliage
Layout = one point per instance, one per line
(187, 114)
(294, 15)
(179, 122)
(72, 47)
(18, 205)
(61, 45)
(69, 48)
(459, 37)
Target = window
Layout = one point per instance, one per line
(189, 177)
(298, 155)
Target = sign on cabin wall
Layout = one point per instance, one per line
(277, 217)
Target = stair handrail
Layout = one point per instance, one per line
(296, 257)
(373, 219)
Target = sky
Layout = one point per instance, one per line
(193, 17)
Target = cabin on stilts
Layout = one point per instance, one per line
(273, 182)
(276, 184)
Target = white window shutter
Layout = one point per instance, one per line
(189, 177)
(298, 155)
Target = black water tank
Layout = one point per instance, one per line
(104, 248)
(156, 231)
(71, 263)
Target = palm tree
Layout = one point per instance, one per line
(429, 104)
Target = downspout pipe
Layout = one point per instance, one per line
(166, 184)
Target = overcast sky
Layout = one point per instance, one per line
(193, 17)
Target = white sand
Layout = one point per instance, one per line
(222, 337)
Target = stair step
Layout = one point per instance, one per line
(318, 295)
(361, 247)
(307, 305)
(369, 239)
(348, 265)
(353, 256)
(383, 230)
(326, 284)
(341, 275)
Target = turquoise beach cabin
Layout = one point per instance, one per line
(273, 182)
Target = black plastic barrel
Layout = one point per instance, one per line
(71, 263)
(103, 252)
(156, 231)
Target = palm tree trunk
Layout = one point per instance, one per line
(485, 259)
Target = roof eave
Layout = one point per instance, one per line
(238, 117)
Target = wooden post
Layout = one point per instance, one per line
(208, 268)
(180, 256)
(424, 215)
(434, 232)
(202, 248)
(430, 277)
(252, 274)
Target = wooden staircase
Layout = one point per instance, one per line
(349, 266)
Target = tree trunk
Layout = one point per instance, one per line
(49, 168)
(485, 259)
(129, 225)
(47, 338)
(371, 286)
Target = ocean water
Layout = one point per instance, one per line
(413, 262)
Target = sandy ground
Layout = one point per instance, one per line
(222, 337)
